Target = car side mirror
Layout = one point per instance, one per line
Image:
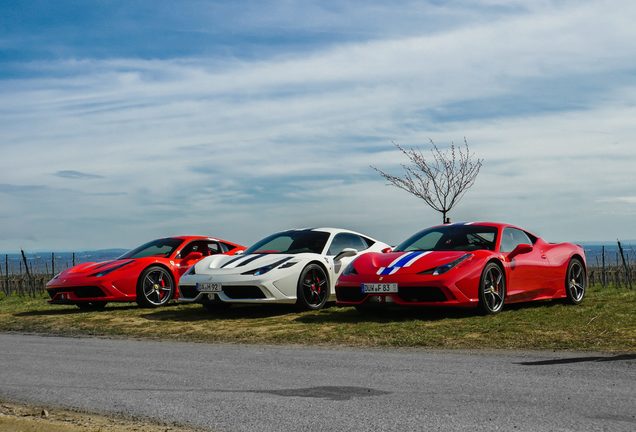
(387, 250)
(193, 256)
(239, 252)
(521, 248)
(346, 252)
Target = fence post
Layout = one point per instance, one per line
(6, 273)
(52, 264)
(73, 259)
(603, 274)
(28, 273)
(627, 275)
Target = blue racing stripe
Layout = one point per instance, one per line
(405, 259)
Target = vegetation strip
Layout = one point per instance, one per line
(605, 321)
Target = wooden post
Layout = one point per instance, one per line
(52, 264)
(627, 275)
(603, 274)
(26, 267)
(73, 259)
(6, 273)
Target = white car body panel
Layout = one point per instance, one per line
(278, 285)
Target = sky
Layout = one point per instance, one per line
(124, 121)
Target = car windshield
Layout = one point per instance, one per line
(291, 242)
(451, 238)
(161, 247)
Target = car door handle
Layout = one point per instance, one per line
(543, 256)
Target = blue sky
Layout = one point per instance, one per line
(122, 121)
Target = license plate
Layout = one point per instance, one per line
(379, 288)
(209, 287)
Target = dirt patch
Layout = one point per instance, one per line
(25, 418)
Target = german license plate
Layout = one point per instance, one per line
(379, 288)
(213, 287)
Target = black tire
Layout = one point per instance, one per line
(91, 306)
(313, 288)
(575, 281)
(155, 287)
(492, 289)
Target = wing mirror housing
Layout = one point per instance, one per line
(520, 249)
(346, 252)
(193, 256)
(387, 250)
(240, 252)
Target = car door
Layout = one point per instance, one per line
(526, 271)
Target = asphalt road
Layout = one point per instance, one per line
(272, 388)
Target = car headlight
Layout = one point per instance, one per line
(262, 270)
(448, 266)
(350, 270)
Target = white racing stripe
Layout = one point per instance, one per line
(412, 260)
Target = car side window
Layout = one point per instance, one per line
(213, 249)
(205, 247)
(346, 240)
(511, 238)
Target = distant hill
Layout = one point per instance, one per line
(40, 262)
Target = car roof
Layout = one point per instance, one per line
(499, 225)
(332, 230)
(196, 237)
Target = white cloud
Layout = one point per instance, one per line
(239, 148)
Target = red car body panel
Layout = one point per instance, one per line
(82, 283)
(536, 275)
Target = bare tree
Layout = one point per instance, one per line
(440, 181)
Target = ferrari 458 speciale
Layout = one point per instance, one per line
(296, 266)
(148, 274)
(476, 264)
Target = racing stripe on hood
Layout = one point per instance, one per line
(247, 261)
(401, 261)
(232, 261)
(415, 258)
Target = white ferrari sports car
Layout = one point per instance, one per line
(297, 266)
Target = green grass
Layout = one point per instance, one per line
(605, 321)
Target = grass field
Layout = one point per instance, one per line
(605, 321)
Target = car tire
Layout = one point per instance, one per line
(155, 287)
(91, 306)
(575, 281)
(492, 289)
(313, 288)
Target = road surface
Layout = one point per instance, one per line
(226, 387)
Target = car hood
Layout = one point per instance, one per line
(246, 263)
(404, 262)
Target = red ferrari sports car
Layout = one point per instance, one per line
(148, 274)
(475, 264)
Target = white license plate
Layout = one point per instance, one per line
(212, 287)
(379, 288)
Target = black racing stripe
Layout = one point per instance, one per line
(98, 266)
(232, 261)
(247, 261)
(112, 269)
